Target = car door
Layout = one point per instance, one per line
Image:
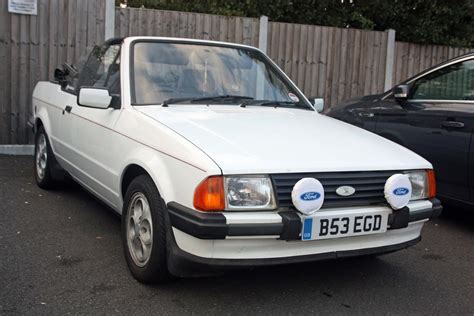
(92, 130)
(59, 124)
(437, 122)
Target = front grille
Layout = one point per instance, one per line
(368, 185)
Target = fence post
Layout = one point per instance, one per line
(109, 19)
(263, 33)
(389, 59)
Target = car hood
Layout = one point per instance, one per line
(256, 139)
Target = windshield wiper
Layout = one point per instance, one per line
(270, 103)
(222, 97)
(209, 98)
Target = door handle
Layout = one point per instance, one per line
(452, 124)
(366, 114)
(68, 109)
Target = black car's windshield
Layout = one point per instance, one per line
(173, 73)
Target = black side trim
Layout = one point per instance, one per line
(291, 225)
(197, 224)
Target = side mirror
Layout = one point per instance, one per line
(98, 98)
(318, 103)
(401, 92)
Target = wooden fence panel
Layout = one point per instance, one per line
(333, 63)
(137, 21)
(336, 64)
(32, 46)
(410, 59)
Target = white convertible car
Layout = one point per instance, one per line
(216, 160)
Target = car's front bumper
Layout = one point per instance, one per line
(285, 225)
(201, 243)
(185, 264)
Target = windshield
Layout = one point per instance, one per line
(164, 71)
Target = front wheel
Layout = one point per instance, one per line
(144, 232)
(44, 161)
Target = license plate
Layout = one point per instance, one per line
(333, 224)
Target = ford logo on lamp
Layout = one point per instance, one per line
(310, 196)
(401, 191)
(307, 195)
(397, 191)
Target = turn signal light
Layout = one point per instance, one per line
(431, 184)
(209, 195)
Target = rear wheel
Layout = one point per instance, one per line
(44, 161)
(144, 232)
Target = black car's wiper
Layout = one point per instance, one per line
(222, 97)
(270, 103)
(209, 98)
(174, 100)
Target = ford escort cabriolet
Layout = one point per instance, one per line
(215, 160)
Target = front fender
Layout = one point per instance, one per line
(174, 179)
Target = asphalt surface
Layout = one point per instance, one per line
(60, 253)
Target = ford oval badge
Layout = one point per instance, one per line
(310, 196)
(401, 191)
(345, 190)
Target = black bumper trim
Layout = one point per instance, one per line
(197, 224)
(184, 264)
(291, 225)
(401, 218)
(429, 213)
(214, 226)
(255, 229)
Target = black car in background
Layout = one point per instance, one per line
(431, 114)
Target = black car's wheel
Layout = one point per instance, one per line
(45, 163)
(144, 232)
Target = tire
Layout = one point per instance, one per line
(144, 220)
(45, 164)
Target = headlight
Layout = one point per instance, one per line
(422, 183)
(249, 193)
(218, 193)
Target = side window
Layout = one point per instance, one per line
(454, 82)
(102, 69)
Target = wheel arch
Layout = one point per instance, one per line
(136, 168)
(132, 171)
(38, 124)
(42, 119)
(174, 180)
